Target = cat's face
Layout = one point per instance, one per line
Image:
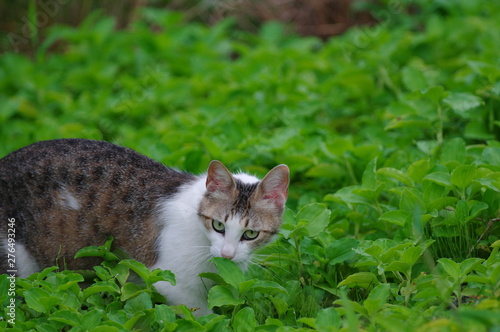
(240, 213)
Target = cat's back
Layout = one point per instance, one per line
(78, 192)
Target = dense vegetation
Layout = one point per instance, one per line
(392, 134)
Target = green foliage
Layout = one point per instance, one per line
(391, 133)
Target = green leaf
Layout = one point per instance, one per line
(360, 279)
(411, 255)
(98, 251)
(440, 178)
(369, 179)
(377, 298)
(40, 300)
(105, 328)
(408, 121)
(453, 150)
(451, 267)
(267, 287)
(397, 217)
(92, 318)
(139, 303)
(418, 169)
(316, 216)
(68, 317)
(327, 319)
(244, 320)
(219, 296)
(396, 174)
(414, 79)
(229, 271)
(341, 250)
(435, 93)
(129, 290)
(469, 265)
(463, 103)
(139, 268)
(162, 275)
(101, 287)
(463, 175)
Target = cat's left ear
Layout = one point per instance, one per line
(219, 179)
(274, 187)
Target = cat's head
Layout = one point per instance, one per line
(240, 212)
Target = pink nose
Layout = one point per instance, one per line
(228, 252)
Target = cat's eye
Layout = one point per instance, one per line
(250, 235)
(218, 226)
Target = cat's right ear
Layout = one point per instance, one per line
(219, 179)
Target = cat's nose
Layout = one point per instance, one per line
(228, 252)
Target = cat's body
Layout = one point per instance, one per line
(71, 193)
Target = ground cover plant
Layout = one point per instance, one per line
(391, 133)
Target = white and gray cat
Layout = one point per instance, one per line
(67, 194)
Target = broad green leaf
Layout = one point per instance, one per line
(397, 217)
(139, 268)
(229, 271)
(70, 280)
(244, 320)
(463, 103)
(68, 317)
(267, 287)
(411, 255)
(453, 150)
(418, 169)
(162, 275)
(491, 155)
(98, 251)
(279, 304)
(440, 178)
(219, 296)
(410, 121)
(396, 174)
(398, 266)
(92, 318)
(463, 175)
(101, 287)
(213, 276)
(410, 202)
(105, 328)
(441, 203)
(469, 265)
(317, 217)
(377, 298)
(435, 93)
(40, 300)
(129, 290)
(360, 279)
(327, 319)
(369, 179)
(451, 267)
(164, 313)
(341, 250)
(138, 303)
(414, 79)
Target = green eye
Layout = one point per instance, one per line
(250, 235)
(218, 226)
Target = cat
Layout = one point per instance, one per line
(65, 194)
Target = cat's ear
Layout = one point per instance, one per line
(219, 179)
(274, 187)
